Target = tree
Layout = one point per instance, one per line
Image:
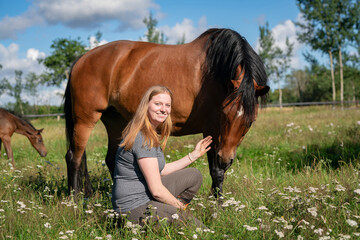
(283, 60)
(32, 82)
(329, 25)
(65, 52)
(277, 62)
(15, 90)
(153, 35)
(268, 51)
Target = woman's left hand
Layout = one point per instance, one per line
(201, 147)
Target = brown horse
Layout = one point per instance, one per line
(215, 80)
(10, 123)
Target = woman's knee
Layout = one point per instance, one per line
(196, 175)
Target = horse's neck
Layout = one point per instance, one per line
(22, 127)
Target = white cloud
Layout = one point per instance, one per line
(93, 43)
(10, 26)
(280, 32)
(34, 54)
(10, 61)
(78, 14)
(186, 28)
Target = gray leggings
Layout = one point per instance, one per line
(183, 184)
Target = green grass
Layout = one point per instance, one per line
(296, 175)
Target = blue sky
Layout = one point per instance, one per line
(28, 27)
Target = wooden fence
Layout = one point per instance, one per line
(299, 104)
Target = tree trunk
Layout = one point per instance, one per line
(341, 80)
(280, 95)
(332, 78)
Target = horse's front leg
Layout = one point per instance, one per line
(7, 144)
(216, 172)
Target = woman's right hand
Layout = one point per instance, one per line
(201, 148)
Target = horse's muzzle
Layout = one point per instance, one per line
(43, 153)
(224, 163)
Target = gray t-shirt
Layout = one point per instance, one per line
(130, 189)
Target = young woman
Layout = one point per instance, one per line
(144, 185)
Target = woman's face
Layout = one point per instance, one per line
(159, 108)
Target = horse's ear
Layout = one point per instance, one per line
(260, 90)
(40, 130)
(236, 84)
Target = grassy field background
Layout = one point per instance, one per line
(296, 176)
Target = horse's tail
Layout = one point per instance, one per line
(69, 121)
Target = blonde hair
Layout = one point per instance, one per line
(141, 122)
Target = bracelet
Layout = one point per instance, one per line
(190, 157)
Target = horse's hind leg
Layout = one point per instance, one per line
(76, 160)
(114, 124)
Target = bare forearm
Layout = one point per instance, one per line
(163, 195)
(177, 165)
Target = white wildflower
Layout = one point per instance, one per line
(340, 188)
(108, 237)
(280, 234)
(319, 231)
(195, 236)
(262, 208)
(357, 191)
(70, 232)
(313, 211)
(249, 228)
(325, 238)
(240, 207)
(89, 211)
(313, 190)
(290, 124)
(47, 225)
(300, 237)
(64, 237)
(310, 128)
(180, 233)
(22, 205)
(343, 237)
(175, 216)
(289, 227)
(201, 205)
(352, 223)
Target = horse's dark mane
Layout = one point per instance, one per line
(20, 117)
(225, 51)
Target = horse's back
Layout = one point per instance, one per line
(118, 73)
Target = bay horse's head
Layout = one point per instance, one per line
(237, 118)
(232, 63)
(37, 142)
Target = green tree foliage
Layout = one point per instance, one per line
(153, 35)
(268, 51)
(65, 52)
(277, 61)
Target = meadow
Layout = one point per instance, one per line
(296, 176)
